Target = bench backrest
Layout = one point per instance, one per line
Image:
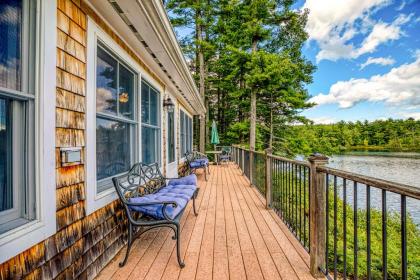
(191, 156)
(142, 179)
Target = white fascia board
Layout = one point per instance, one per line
(179, 61)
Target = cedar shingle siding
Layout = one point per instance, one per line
(83, 245)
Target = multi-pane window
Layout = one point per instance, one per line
(185, 133)
(17, 113)
(150, 123)
(115, 116)
(171, 137)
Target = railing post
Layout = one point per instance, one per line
(243, 161)
(251, 164)
(317, 212)
(268, 184)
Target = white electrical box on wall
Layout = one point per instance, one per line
(71, 156)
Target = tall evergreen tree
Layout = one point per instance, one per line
(254, 69)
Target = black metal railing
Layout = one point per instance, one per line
(365, 237)
(353, 226)
(290, 195)
(258, 171)
(246, 163)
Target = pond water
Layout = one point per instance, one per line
(396, 167)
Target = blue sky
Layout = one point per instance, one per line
(367, 54)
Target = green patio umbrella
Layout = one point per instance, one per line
(214, 135)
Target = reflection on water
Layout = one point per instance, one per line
(395, 167)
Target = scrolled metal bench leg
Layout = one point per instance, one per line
(130, 242)
(178, 247)
(173, 236)
(194, 197)
(205, 174)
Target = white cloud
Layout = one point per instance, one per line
(381, 33)
(414, 115)
(104, 100)
(332, 24)
(10, 15)
(377, 60)
(398, 87)
(400, 7)
(323, 120)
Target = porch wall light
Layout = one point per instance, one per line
(168, 104)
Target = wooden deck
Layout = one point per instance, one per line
(233, 237)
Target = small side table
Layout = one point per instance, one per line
(216, 155)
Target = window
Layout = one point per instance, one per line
(115, 117)
(186, 133)
(171, 137)
(17, 114)
(150, 119)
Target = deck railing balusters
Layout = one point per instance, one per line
(327, 219)
(300, 204)
(295, 199)
(355, 221)
(368, 236)
(403, 237)
(344, 228)
(301, 189)
(335, 227)
(384, 238)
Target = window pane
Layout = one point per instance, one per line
(181, 130)
(154, 107)
(112, 148)
(171, 137)
(150, 144)
(144, 103)
(188, 134)
(6, 195)
(106, 83)
(191, 139)
(126, 93)
(10, 47)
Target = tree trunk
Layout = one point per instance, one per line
(270, 144)
(253, 116)
(200, 52)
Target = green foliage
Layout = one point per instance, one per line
(393, 244)
(380, 135)
(249, 47)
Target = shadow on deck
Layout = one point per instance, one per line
(233, 237)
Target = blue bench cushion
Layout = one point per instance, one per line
(187, 180)
(180, 194)
(198, 163)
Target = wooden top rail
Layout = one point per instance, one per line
(247, 150)
(398, 188)
(297, 162)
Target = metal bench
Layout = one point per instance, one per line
(197, 160)
(226, 155)
(150, 201)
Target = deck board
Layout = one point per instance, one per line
(233, 237)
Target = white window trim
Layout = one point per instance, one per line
(181, 108)
(176, 116)
(94, 200)
(22, 238)
(160, 121)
